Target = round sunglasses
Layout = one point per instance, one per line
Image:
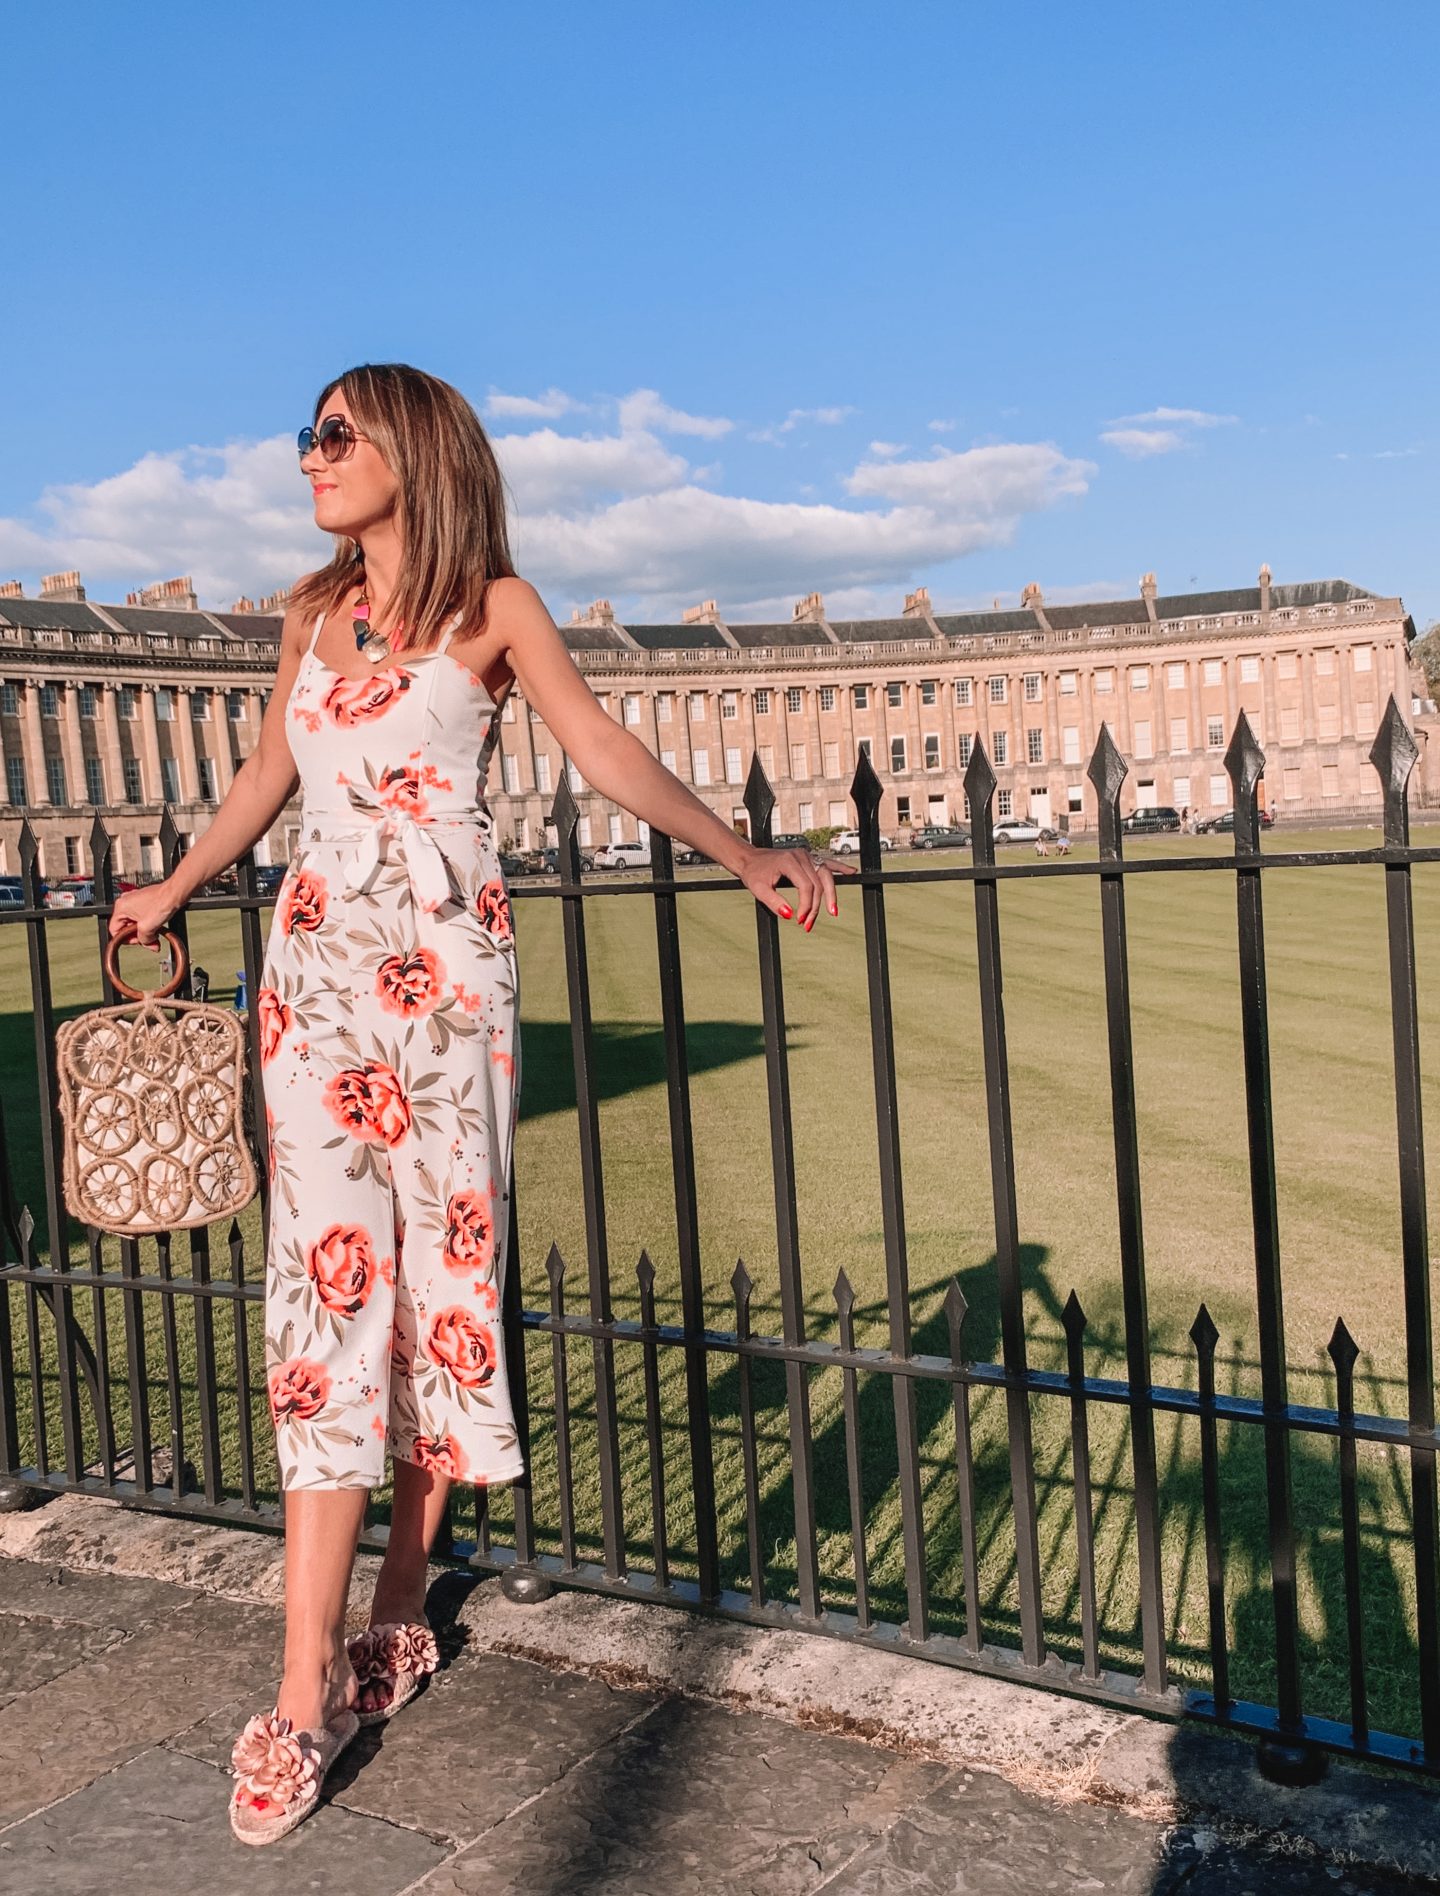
(335, 438)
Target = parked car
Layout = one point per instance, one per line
(1224, 824)
(1152, 822)
(690, 858)
(1016, 829)
(511, 866)
(550, 861)
(847, 843)
(73, 892)
(12, 896)
(939, 836)
(789, 839)
(227, 882)
(623, 856)
(269, 876)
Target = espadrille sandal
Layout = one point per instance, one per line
(398, 1655)
(279, 1772)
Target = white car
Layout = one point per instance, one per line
(1017, 830)
(623, 856)
(847, 843)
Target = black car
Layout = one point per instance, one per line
(940, 836)
(550, 861)
(789, 839)
(1224, 824)
(1151, 822)
(269, 877)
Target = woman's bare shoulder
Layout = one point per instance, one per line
(513, 603)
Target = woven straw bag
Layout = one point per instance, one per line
(151, 1097)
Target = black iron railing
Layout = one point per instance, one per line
(63, 1368)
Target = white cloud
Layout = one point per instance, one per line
(1139, 443)
(942, 427)
(547, 407)
(887, 450)
(1186, 417)
(824, 417)
(619, 515)
(643, 409)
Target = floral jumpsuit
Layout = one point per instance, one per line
(390, 1064)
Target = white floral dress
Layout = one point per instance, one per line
(389, 1042)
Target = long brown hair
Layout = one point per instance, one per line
(452, 502)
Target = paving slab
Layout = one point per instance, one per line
(54, 1592)
(694, 1799)
(35, 1651)
(159, 1824)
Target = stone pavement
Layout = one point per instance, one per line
(120, 1697)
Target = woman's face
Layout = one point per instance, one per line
(355, 493)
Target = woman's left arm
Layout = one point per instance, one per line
(614, 761)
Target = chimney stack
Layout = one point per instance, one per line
(704, 614)
(168, 595)
(243, 605)
(58, 587)
(917, 604)
(1148, 590)
(811, 607)
(1033, 600)
(1265, 591)
(598, 613)
(275, 602)
(12, 589)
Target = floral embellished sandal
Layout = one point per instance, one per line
(279, 1771)
(398, 1655)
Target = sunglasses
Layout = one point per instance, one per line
(335, 438)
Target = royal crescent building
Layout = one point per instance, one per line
(119, 710)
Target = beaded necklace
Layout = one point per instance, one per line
(375, 645)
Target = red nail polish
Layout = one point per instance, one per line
(786, 911)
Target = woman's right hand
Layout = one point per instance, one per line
(140, 914)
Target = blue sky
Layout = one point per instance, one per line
(754, 300)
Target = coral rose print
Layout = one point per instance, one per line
(399, 790)
(299, 1390)
(469, 1233)
(342, 1268)
(352, 701)
(457, 1342)
(440, 1453)
(305, 904)
(276, 1020)
(493, 906)
(410, 985)
(369, 1102)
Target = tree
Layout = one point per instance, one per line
(1425, 652)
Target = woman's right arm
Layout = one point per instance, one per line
(263, 785)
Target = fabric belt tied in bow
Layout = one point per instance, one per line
(419, 850)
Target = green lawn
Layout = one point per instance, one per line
(1336, 1152)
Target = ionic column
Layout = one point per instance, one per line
(37, 785)
(110, 749)
(185, 748)
(72, 747)
(152, 783)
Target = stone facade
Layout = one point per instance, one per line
(117, 709)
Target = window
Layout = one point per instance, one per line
(1329, 780)
(1005, 803)
(1032, 687)
(1179, 734)
(614, 827)
(49, 701)
(732, 763)
(895, 694)
(15, 790)
(1325, 664)
(766, 754)
(1327, 718)
(927, 691)
(507, 715)
(206, 768)
(665, 706)
(1289, 724)
(234, 705)
(10, 698)
(1250, 669)
(1213, 673)
(1364, 717)
(94, 780)
(1104, 680)
(573, 777)
(827, 697)
(794, 698)
(1364, 658)
(169, 780)
(799, 763)
(697, 705)
(1139, 677)
(134, 786)
(1069, 684)
(807, 816)
(897, 754)
(164, 704)
(965, 744)
(1000, 747)
(702, 766)
(860, 696)
(862, 749)
(729, 704)
(1144, 746)
(932, 750)
(542, 772)
(997, 691)
(1034, 746)
(1175, 677)
(839, 815)
(584, 832)
(1181, 791)
(89, 702)
(762, 702)
(1215, 734)
(200, 704)
(1292, 786)
(632, 706)
(831, 757)
(667, 759)
(902, 809)
(1287, 666)
(72, 855)
(964, 691)
(1075, 799)
(1219, 790)
(55, 780)
(1070, 744)
(510, 772)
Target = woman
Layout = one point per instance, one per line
(387, 1020)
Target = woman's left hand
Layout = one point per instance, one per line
(813, 883)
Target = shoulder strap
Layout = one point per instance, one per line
(315, 635)
(449, 633)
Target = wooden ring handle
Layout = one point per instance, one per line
(176, 981)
